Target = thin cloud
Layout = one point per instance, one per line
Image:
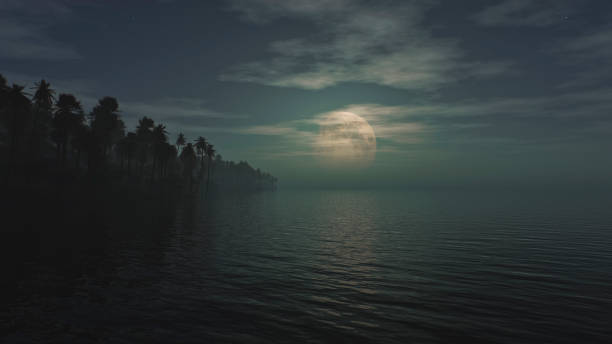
(593, 45)
(357, 42)
(27, 38)
(524, 13)
(589, 54)
(516, 121)
(26, 41)
(168, 108)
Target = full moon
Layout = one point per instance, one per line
(345, 140)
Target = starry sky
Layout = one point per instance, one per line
(459, 93)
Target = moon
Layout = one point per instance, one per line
(345, 140)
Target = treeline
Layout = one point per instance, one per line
(43, 132)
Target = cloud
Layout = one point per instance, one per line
(189, 115)
(593, 45)
(169, 108)
(524, 13)
(299, 138)
(260, 11)
(26, 41)
(23, 26)
(269, 130)
(588, 55)
(355, 41)
(390, 123)
(509, 123)
(50, 9)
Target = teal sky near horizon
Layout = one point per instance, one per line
(504, 92)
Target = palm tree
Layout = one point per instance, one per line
(210, 153)
(17, 108)
(42, 114)
(131, 145)
(143, 136)
(167, 154)
(106, 124)
(126, 148)
(201, 145)
(188, 157)
(43, 97)
(4, 92)
(3, 83)
(66, 121)
(159, 137)
(121, 148)
(180, 141)
(3, 98)
(80, 142)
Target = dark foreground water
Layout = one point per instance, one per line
(329, 266)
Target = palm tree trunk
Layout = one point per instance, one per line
(33, 136)
(89, 162)
(58, 151)
(78, 159)
(153, 168)
(63, 153)
(207, 173)
(13, 148)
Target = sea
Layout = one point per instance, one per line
(306, 266)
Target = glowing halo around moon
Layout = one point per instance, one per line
(345, 140)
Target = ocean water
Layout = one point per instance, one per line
(322, 266)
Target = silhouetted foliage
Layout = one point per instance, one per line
(240, 176)
(200, 145)
(49, 124)
(188, 157)
(210, 153)
(180, 141)
(66, 122)
(106, 125)
(17, 108)
(42, 115)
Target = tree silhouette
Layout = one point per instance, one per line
(121, 148)
(180, 141)
(66, 121)
(144, 137)
(210, 153)
(42, 113)
(82, 137)
(167, 154)
(103, 139)
(3, 83)
(106, 124)
(159, 138)
(188, 157)
(126, 148)
(17, 108)
(3, 92)
(131, 144)
(3, 100)
(200, 145)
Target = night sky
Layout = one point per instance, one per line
(458, 93)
